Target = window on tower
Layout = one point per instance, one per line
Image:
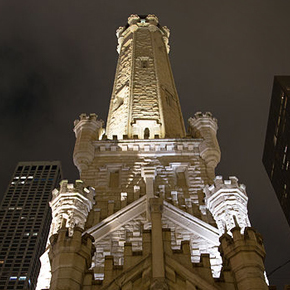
(114, 179)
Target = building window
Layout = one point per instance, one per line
(114, 179)
(181, 179)
(146, 133)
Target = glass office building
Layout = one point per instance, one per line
(25, 219)
(276, 157)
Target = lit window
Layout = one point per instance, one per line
(123, 196)
(284, 159)
(13, 278)
(23, 177)
(30, 177)
(35, 234)
(22, 278)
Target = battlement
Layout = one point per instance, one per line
(135, 21)
(203, 119)
(90, 117)
(250, 236)
(219, 183)
(77, 237)
(78, 186)
(208, 115)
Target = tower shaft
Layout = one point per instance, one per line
(144, 101)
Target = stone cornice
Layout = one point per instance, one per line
(148, 146)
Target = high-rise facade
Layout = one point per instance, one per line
(149, 212)
(25, 218)
(276, 157)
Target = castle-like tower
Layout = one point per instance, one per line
(154, 216)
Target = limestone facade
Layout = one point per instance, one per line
(156, 216)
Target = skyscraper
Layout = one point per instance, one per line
(276, 157)
(149, 212)
(25, 219)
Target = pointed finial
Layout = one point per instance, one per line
(225, 229)
(236, 222)
(63, 224)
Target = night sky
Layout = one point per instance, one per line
(58, 59)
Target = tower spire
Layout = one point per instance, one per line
(144, 100)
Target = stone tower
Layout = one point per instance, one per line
(144, 102)
(156, 216)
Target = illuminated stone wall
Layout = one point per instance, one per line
(144, 94)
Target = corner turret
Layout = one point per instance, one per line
(70, 258)
(70, 206)
(87, 129)
(244, 254)
(205, 126)
(227, 201)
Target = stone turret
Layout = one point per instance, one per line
(71, 202)
(227, 201)
(70, 205)
(87, 129)
(70, 258)
(205, 126)
(244, 254)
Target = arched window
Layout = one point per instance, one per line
(146, 133)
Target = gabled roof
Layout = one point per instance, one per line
(176, 215)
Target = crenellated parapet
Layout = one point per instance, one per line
(135, 21)
(205, 126)
(227, 201)
(87, 129)
(70, 258)
(71, 202)
(244, 254)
